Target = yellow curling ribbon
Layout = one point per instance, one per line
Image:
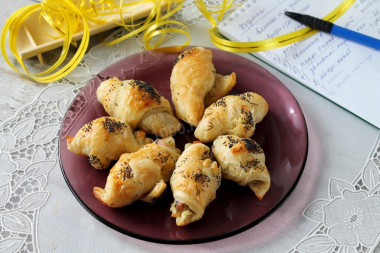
(65, 9)
(255, 46)
(68, 17)
(151, 26)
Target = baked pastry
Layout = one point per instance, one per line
(192, 77)
(222, 85)
(243, 161)
(105, 139)
(140, 175)
(195, 85)
(194, 183)
(139, 104)
(232, 114)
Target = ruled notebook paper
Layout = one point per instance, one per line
(345, 72)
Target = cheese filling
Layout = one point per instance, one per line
(181, 212)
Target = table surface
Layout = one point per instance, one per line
(342, 170)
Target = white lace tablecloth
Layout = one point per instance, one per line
(334, 208)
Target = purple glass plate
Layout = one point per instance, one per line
(282, 135)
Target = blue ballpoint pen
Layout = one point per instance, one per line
(326, 26)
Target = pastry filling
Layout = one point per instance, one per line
(161, 143)
(181, 211)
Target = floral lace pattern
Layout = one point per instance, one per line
(349, 220)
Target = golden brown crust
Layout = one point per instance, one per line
(232, 114)
(243, 161)
(223, 85)
(136, 174)
(139, 104)
(152, 196)
(193, 75)
(194, 183)
(104, 140)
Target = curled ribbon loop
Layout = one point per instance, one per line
(68, 17)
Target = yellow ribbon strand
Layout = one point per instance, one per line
(150, 26)
(248, 47)
(14, 24)
(68, 17)
(154, 30)
(11, 24)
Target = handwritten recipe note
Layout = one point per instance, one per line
(343, 71)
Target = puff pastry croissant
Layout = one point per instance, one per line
(243, 161)
(232, 114)
(223, 85)
(194, 83)
(104, 140)
(139, 104)
(140, 175)
(194, 183)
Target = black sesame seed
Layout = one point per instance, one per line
(151, 93)
(111, 125)
(252, 146)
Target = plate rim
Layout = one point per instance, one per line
(186, 241)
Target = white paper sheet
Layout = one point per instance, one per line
(345, 72)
